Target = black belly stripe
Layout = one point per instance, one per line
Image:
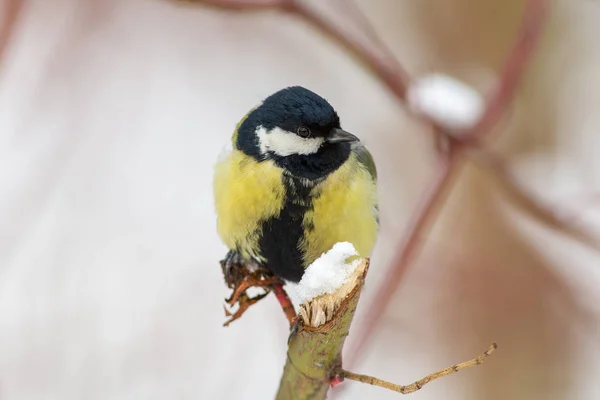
(281, 236)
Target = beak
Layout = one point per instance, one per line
(338, 135)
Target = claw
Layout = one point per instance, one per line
(251, 281)
(229, 264)
(244, 304)
(232, 260)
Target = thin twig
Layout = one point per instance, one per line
(392, 76)
(527, 39)
(413, 387)
(369, 30)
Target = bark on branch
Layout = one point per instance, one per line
(315, 350)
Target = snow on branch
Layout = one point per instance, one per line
(451, 104)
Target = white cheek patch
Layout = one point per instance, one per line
(285, 143)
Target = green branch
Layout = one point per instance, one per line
(314, 355)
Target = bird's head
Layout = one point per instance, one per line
(299, 130)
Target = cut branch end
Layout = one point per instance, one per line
(323, 308)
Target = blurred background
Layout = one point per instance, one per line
(112, 115)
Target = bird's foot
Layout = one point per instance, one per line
(240, 276)
(244, 303)
(256, 279)
(233, 267)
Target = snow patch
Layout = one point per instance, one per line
(449, 102)
(328, 272)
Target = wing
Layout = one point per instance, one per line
(366, 159)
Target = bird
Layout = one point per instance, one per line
(293, 185)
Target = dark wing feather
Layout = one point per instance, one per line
(366, 159)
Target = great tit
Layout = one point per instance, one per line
(294, 184)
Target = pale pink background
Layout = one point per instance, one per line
(112, 114)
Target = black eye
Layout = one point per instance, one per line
(303, 131)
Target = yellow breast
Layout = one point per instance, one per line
(344, 209)
(246, 193)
